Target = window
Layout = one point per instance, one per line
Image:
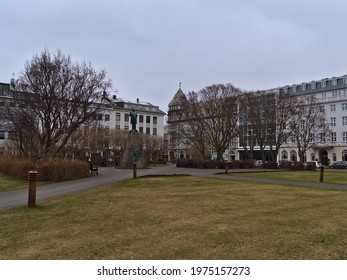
(141, 118)
(99, 117)
(313, 85)
(2, 134)
(333, 107)
(313, 157)
(154, 120)
(126, 118)
(334, 157)
(322, 137)
(333, 121)
(344, 120)
(117, 126)
(117, 116)
(148, 130)
(344, 155)
(333, 137)
(334, 82)
(126, 127)
(141, 129)
(344, 106)
(323, 84)
(303, 87)
(321, 109)
(284, 155)
(107, 117)
(293, 156)
(302, 124)
(154, 131)
(344, 136)
(148, 119)
(311, 137)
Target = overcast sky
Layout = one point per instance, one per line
(148, 47)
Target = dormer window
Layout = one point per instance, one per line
(323, 83)
(334, 81)
(313, 85)
(303, 87)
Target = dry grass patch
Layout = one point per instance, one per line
(331, 176)
(181, 218)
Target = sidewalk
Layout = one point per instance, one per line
(109, 175)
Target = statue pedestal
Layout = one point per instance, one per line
(133, 152)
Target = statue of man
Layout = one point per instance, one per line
(133, 119)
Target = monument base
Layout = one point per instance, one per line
(133, 152)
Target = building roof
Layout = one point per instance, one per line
(179, 98)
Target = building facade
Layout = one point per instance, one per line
(114, 114)
(331, 96)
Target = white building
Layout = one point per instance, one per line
(113, 115)
(331, 95)
(150, 119)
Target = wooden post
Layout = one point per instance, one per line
(321, 174)
(134, 170)
(32, 177)
(226, 169)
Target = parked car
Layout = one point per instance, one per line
(339, 165)
(317, 164)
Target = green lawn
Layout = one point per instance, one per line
(181, 218)
(8, 183)
(332, 176)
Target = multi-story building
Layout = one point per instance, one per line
(331, 96)
(114, 114)
(150, 119)
(176, 145)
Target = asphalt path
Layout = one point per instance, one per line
(108, 175)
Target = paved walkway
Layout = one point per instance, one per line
(109, 175)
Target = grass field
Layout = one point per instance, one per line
(181, 218)
(332, 176)
(9, 183)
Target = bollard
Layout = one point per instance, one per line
(321, 174)
(134, 170)
(32, 177)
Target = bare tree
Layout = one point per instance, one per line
(284, 109)
(153, 146)
(308, 125)
(194, 130)
(211, 117)
(55, 97)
